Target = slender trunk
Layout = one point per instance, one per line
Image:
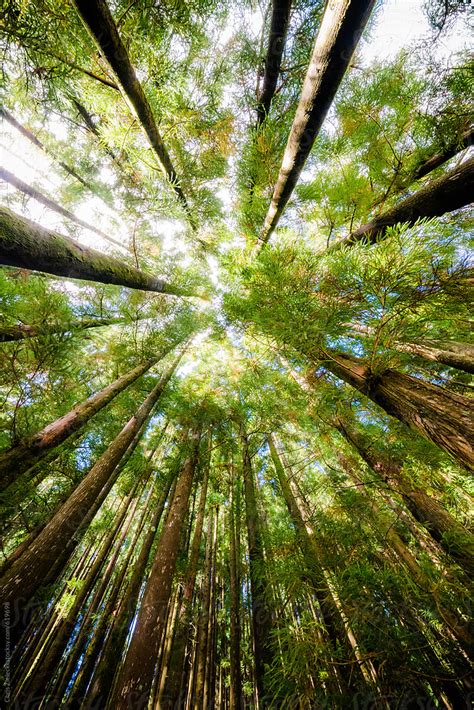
(104, 673)
(41, 625)
(445, 194)
(436, 159)
(136, 676)
(330, 613)
(203, 622)
(96, 644)
(403, 178)
(35, 140)
(41, 563)
(443, 417)
(457, 355)
(32, 449)
(236, 698)
(262, 616)
(21, 331)
(276, 45)
(100, 24)
(28, 246)
(453, 537)
(446, 352)
(210, 682)
(172, 693)
(341, 28)
(103, 581)
(160, 702)
(46, 664)
(26, 189)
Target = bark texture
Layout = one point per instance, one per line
(101, 26)
(457, 355)
(20, 331)
(442, 416)
(341, 27)
(136, 676)
(236, 701)
(28, 246)
(184, 616)
(44, 673)
(125, 610)
(446, 352)
(440, 157)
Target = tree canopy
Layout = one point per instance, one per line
(236, 437)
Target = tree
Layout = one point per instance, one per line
(341, 28)
(27, 453)
(445, 194)
(439, 415)
(276, 45)
(99, 21)
(45, 557)
(135, 678)
(18, 184)
(262, 614)
(281, 517)
(27, 245)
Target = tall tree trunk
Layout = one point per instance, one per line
(341, 27)
(26, 189)
(445, 194)
(210, 683)
(32, 449)
(457, 355)
(43, 561)
(47, 664)
(330, 613)
(442, 416)
(172, 693)
(21, 331)
(236, 697)
(449, 151)
(276, 45)
(262, 615)
(28, 246)
(123, 614)
(453, 537)
(36, 141)
(95, 646)
(204, 614)
(100, 24)
(445, 352)
(136, 676)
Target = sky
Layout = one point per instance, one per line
(398, 24)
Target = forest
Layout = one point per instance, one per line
(236, 355)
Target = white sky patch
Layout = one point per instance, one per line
(37, 169)
(214, 271)
(403, 23)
